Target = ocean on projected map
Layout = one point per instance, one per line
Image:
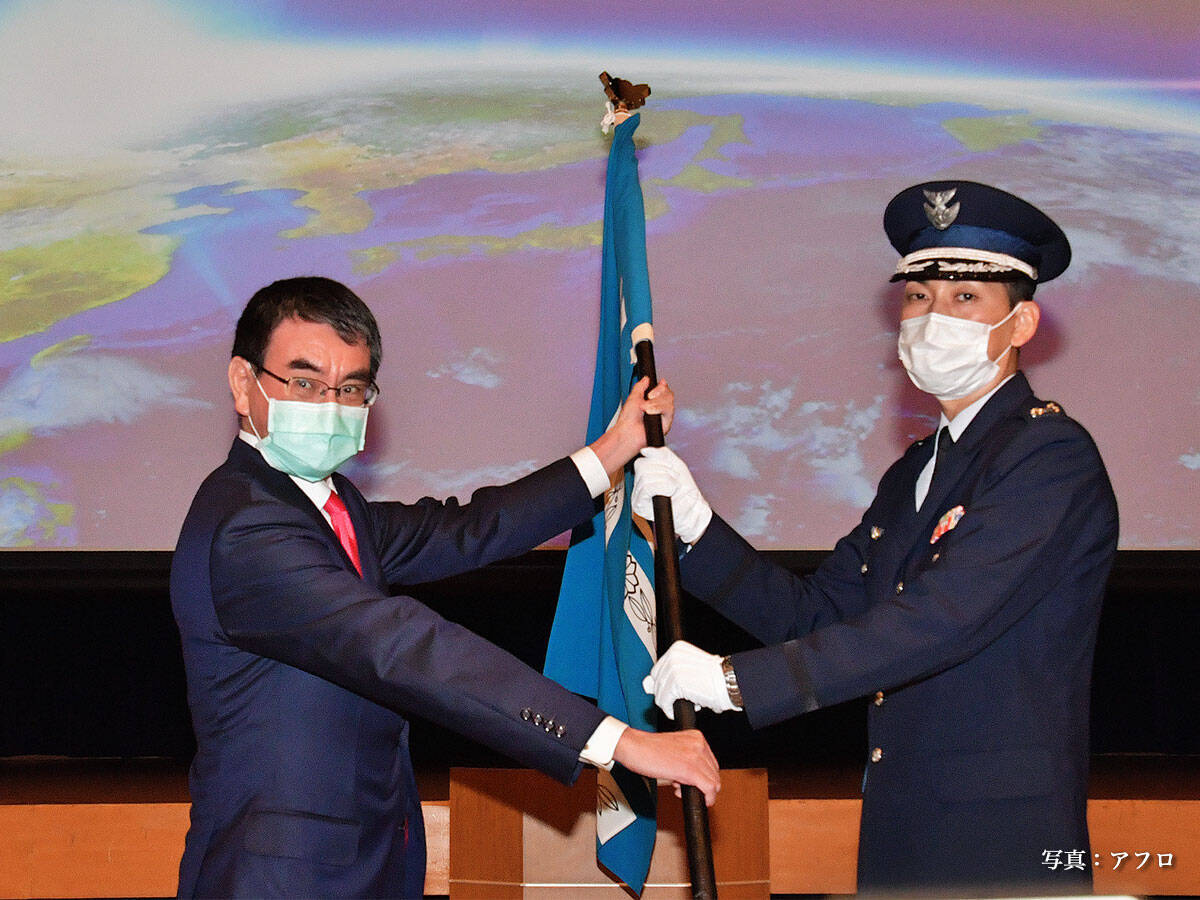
(466, 211)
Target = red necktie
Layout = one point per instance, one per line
(343, 528)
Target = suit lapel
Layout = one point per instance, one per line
(897, 516)
(274, 482)
(280, 485)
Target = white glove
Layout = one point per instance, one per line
(686, 671)
(659, 472)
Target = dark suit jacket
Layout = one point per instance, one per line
(299, 673)
(975, 649)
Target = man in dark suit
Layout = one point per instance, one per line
(300, 666)
(964, 605)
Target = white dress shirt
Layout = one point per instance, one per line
(957, 426)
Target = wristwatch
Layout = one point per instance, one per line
(731, 682)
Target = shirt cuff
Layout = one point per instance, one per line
(602, 745)
(591, 470)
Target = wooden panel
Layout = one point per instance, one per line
(1145, 826)
(76, 848)
(486, 824)
(552, 848)
(91, 850)
(814, 846)
(129, 849)
(437, 846)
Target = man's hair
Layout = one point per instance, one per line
(312, 299)
(1021, 289)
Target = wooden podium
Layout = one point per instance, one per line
(516, 834)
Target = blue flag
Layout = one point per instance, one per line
(603, 641)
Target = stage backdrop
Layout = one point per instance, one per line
(159, 161)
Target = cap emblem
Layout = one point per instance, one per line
(939, 214)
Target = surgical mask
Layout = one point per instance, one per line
(310, 440)
(947, 356)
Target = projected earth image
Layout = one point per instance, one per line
(466, 210)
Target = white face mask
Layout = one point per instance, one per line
(947, 356)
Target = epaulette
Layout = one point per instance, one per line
(1050, 409)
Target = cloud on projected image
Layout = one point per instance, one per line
(87, 76)
(769, 433)
(1136, 206)
(755, 514)
(476, 369)
(70, 390)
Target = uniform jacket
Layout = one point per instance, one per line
(970, 625)
(299, 674)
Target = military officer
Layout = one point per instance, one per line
(964, 605)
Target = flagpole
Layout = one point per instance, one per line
(670, 629)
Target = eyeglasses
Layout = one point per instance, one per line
(313, 390)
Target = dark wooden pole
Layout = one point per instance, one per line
(670, 630)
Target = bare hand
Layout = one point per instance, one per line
(627, 435)
(682, 757)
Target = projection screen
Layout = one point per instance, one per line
(160, 161)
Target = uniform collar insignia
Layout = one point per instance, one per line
(1050, 409)
(939, 214)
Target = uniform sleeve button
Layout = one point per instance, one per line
(549, 725)
(876, 532)
(879, 698)
(863, 569)
(876, 754)
(900, 587)
(560, 730)
(538, 719)
(526, 714)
